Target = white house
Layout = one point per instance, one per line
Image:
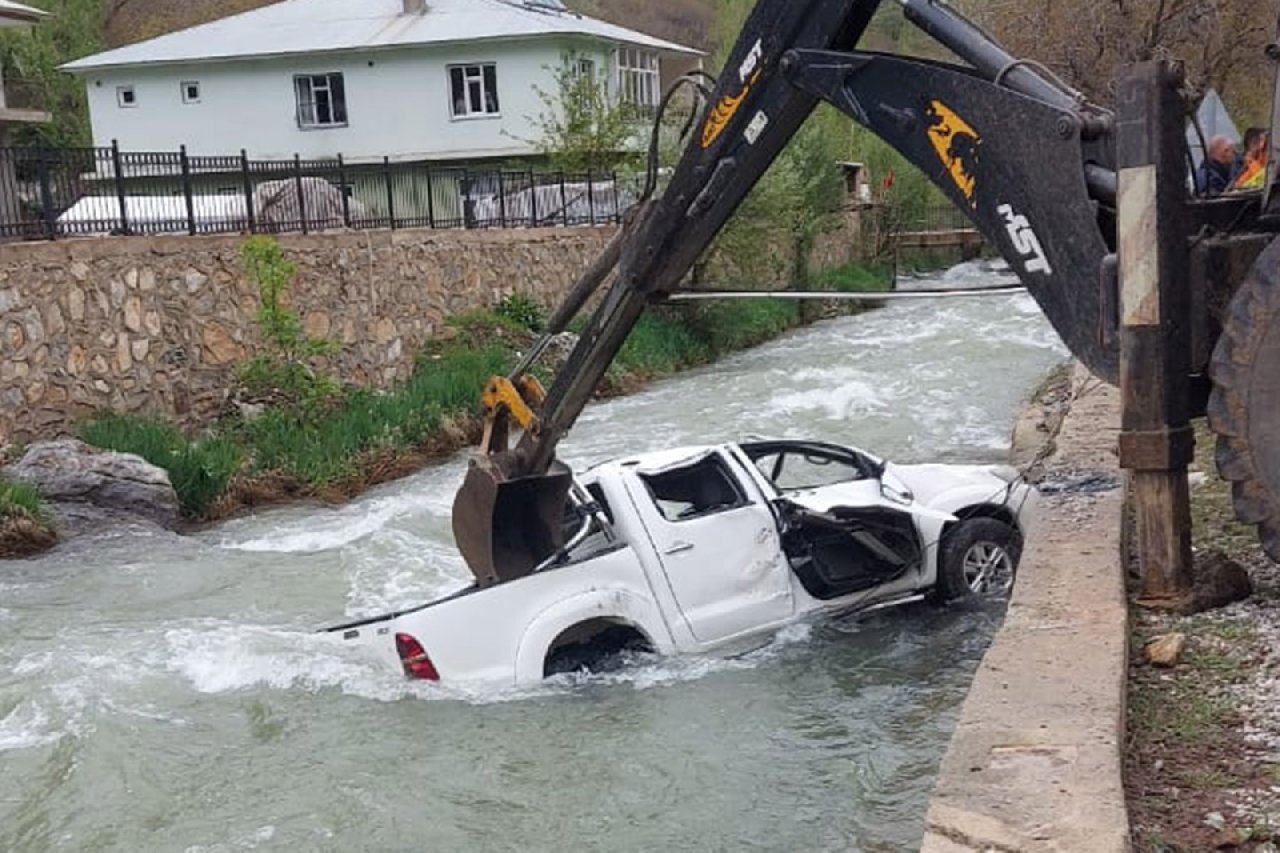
(437, 80)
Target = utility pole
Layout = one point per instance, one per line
(1156, 440)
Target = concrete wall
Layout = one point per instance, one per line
(159, 324)
(398, 103)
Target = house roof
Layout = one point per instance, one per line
(322, 26)
(16, 15)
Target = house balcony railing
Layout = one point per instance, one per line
(49, 193)
(18, 96)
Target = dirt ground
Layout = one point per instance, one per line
(1202, 761)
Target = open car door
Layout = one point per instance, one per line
(848, 527)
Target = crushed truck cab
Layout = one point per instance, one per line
(712, 549)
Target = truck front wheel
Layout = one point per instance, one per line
(978, 557)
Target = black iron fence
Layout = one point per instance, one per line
(47, 193)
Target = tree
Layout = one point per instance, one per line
(72, 30)
(796, 199)
(1219, 42)
(582, 128)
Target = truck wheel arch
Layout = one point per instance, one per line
(588, 614)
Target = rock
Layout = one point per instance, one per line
(558, 350)
(77, 361)
(1219, 581)
(1166, 650)
(193, 279)
(1228, 839)
(133, 314)
(24, 537)
(219, 347)
(70, 471)
(1215, 820)
(75, 304)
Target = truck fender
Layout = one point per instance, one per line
(620, 605)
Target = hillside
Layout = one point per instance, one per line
(684, 21)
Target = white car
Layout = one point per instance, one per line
(714, 548)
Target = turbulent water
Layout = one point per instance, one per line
(169, 693)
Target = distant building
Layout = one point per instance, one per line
(19, 102)
(442, 80)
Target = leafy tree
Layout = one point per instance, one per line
(582, 127)
(283, 370)
(797, 197)
(72, 30)
(1219, 42)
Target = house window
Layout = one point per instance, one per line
(190, 92)
(126, 96)
(473, 90)
(322, 100)
(585, 69)
(638, 78)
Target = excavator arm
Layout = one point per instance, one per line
(1028, 160)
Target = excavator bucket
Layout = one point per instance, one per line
(505, 526)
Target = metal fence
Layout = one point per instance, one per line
(935, 218)
(47, 193)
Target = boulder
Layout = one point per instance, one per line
(1166, 650)
(72, 472)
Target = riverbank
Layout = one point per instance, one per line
(25, 527)
(1202, 763)
(306, 438)
(1035, 760)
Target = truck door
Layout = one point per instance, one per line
(718, 546)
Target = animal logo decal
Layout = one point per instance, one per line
(958, 146)
(723, 113)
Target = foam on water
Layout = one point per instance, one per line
(315, 532)
(26, 727)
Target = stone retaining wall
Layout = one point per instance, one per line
(159, 324)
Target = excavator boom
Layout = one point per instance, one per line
(981, 132)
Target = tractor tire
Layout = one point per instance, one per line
(1244, 406)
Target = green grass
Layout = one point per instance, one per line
(20, 500)
(323, 450)
(323, 446)
(854, 279)
(199, 470)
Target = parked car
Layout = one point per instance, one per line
(714, 548)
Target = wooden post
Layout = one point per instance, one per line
(1156, 441)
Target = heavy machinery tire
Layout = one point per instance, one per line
(1244, 407)
(978, 557)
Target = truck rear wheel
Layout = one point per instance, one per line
(596, 646)
(1244, 408)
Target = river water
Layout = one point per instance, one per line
(166, 693)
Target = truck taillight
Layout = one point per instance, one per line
(414, 658)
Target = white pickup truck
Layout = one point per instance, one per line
(713, 549)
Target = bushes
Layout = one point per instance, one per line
(854, 279)
(323, 450)
(198, 470)
(19, 500)
(521, 310)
